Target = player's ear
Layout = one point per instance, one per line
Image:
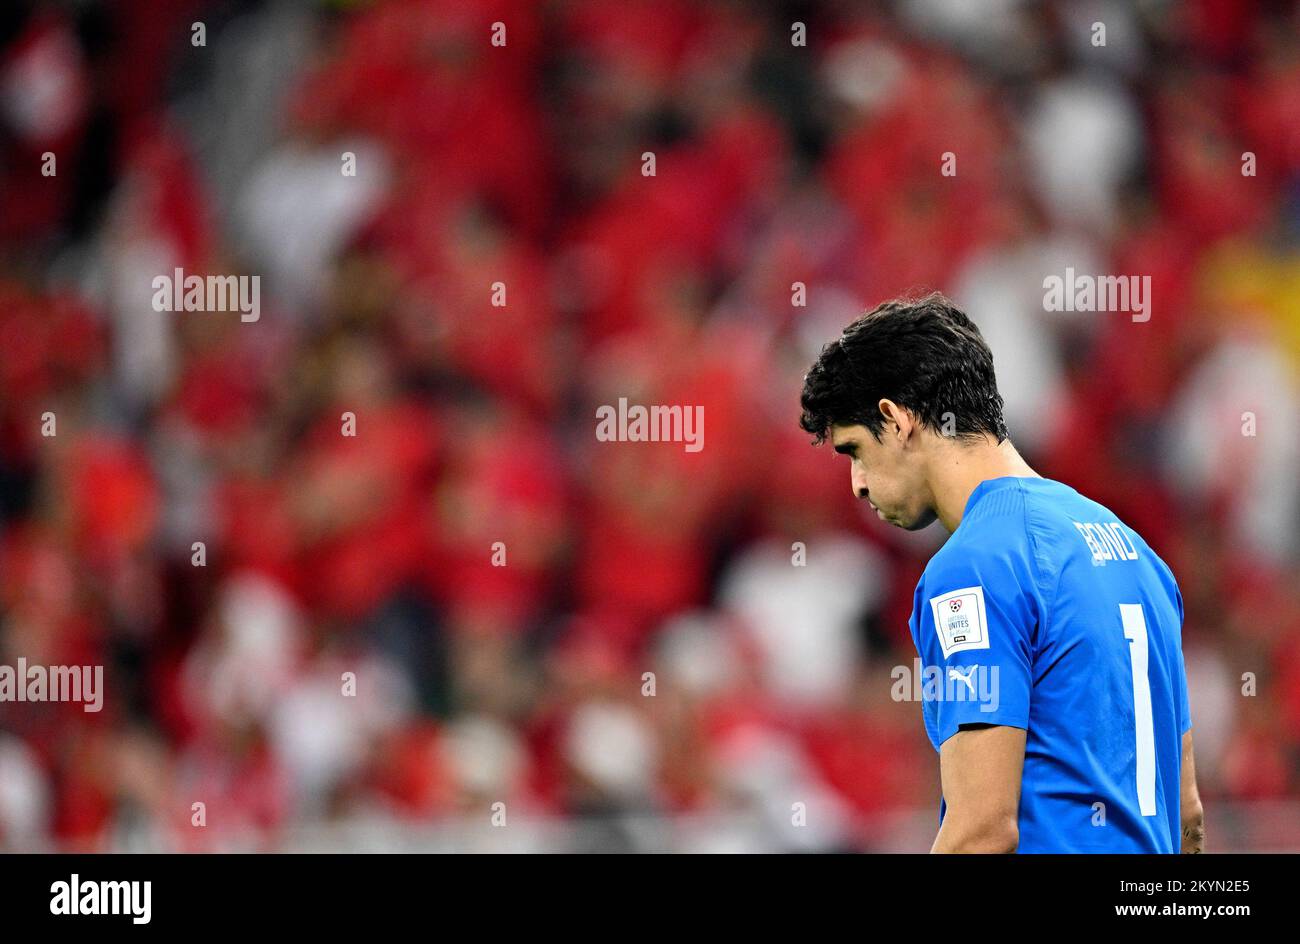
(898, 422)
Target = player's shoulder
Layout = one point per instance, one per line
(983, 546)
(1058, 515)
(1066, 526)
(1005, 533)
(993, 524)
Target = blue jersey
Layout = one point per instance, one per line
(1045, 612)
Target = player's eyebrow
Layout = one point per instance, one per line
(846, 448)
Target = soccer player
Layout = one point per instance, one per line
(1050, 632)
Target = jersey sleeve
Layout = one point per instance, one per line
(974, 623)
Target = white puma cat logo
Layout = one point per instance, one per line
(968, 678)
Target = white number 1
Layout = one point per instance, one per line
(1135, 631)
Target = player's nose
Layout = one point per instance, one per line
(858, 482)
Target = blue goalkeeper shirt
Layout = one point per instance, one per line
(1045, 612)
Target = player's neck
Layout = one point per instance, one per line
(959, 468)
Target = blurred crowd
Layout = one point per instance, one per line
(672, 632)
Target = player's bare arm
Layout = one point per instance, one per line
(980, 768)
(1193, 814)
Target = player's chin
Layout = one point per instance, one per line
(916, 522)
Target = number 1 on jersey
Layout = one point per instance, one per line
(1135, 631)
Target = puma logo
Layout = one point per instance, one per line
(968, 678)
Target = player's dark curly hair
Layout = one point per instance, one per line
(924, 354)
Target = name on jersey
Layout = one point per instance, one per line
(1106, 541)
